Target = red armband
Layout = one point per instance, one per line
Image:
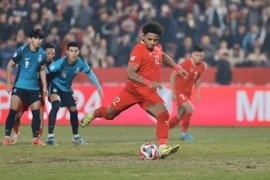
(146, 82)
(177, 67)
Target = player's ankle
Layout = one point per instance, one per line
(50, 135)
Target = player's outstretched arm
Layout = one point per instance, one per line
(96, 83)
(172, 81)
(169, 62)
(43, 79)
(10, 66)
(134, 76)
(197, 89)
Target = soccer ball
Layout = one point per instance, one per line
(148, 151)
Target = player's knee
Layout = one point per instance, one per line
(164, 116)
(56, 105)
(110, 116)
(73, 113)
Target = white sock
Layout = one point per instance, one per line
(184, 134)
(161, 146)
(50, 135)
(76, 135)
(7, 137)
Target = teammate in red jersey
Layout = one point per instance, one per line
(50, 53)
(143, 73)
(182, 88)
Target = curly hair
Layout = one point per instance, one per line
(152, 27)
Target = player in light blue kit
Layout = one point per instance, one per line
(65, 70)
(31, 60)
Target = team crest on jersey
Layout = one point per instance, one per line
(77, 70)
(15, 54)
(14, 90)
(132, 58)
(54, 90)
(39, 58)
(64, 74)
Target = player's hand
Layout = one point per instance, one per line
(9, 86)
(183, 73)
(101, 95)
(45, 92)
(174, 96)
(154, 84)
(198, 97)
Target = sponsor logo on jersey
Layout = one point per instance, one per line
(64, 74)
(39, 58)
(77, 70)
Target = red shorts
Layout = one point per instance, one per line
(182, 98)
(127, 98)
(24, 106)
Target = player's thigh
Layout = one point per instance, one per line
(54, 93)
(72, 108)
(121, 102)
(33, 99)
(154, 104)
(16, 99)
(54, 97)
(184, 104)
(67, 99)
(124, 100)
(187, 106)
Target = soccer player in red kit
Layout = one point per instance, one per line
(50, 53)
(182, 88)
(143, 73)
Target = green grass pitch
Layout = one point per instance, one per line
(112, 153)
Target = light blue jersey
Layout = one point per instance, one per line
(29, 63)
(65, 73)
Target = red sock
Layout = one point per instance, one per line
(162, 130)
(174, 122)
(101, 112)
(16, 129)
(40, 132)
(186, 120)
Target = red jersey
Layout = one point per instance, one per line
(149, 63)
(185, 85)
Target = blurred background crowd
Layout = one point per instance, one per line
(233, 32)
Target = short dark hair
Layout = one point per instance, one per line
(36, 33)
(72, 44)
(197, 48)
(152, 27)
(48, 45)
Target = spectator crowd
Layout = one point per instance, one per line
(234, 33)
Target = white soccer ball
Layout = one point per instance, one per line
(148, 151)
